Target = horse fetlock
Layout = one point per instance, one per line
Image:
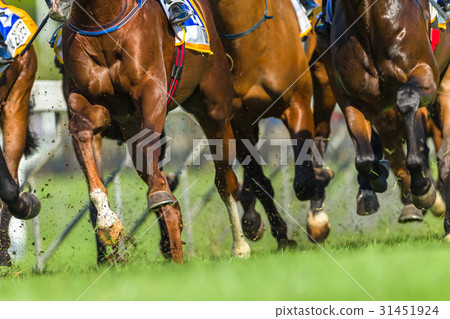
(439, 206)
(32, 206)
(253, 225)
(109, 228)
(426, 200)
(241, 249)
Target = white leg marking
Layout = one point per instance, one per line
(105, 216)
(240, 246)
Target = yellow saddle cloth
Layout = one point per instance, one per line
(16, 27)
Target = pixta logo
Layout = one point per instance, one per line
(142, 147)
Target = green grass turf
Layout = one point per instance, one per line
(391, 261)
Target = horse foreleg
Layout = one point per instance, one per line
(226, 181)
(15, 122)
(101, 249)
(372, 177)
(147, 159)
(299, 120)
(85, 120)
(324, 104)
(257, 185)
(392, 131)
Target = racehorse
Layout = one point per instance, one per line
(15, 90)
(442, 116)
(271, 79)
(391, 131)
(392, 64)
(116, 83)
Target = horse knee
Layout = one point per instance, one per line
(408, 99)
(414, 162)
(81, 128)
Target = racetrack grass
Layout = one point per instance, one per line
(391, 261)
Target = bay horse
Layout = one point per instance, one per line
(262, 39)
(116, 84)
(15, 90)
(381, 57)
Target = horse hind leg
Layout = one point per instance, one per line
(257, 185)
(422, 189)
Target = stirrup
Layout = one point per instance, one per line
(178, 14)
(323, 27)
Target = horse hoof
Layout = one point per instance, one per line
(287, 244)
(111, 236)
(241, 249)
(34, 203)
(367, 202)
(317, 226)
(439, 207)
(253, 225)
(426, 200)
(447, 238)
(410, 214)
(158, 199)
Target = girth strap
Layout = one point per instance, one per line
(177, 70)
(107, 29)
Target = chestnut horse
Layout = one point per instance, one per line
(392, 64)
(271, 79)
(116, 83)
(15, 91)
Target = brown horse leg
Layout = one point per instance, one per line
(318, 226)
(85, 120)
(408, 102)
(101, 249)
(443, 101)
(226, 181)
(392, 131)
(15, 113)
(256, 184)
(372, 177)
(147, 158)
(299, 121)
(434, 132)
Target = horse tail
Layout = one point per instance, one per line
(31, 142)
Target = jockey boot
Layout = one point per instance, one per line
(309, 6)
(323, 27)
(178, 12)
(5, 56)
(445, 4)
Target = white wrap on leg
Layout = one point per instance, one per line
(105, 216)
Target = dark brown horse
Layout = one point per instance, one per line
(117, 82)
(271, 79)
(391, 130)
(15, 90)
(442, 116)
(381, 57)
